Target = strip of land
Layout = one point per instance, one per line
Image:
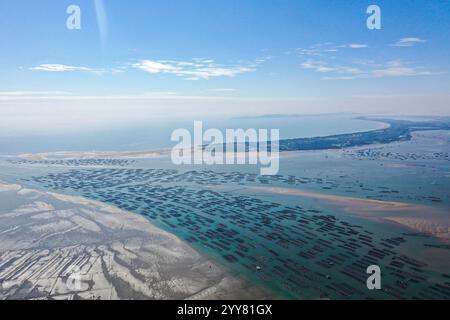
(397, 130)
(68, 155)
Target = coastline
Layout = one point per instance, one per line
(46, 237)
(390, 131)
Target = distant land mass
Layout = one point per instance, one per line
(281, 116)
(398, 130)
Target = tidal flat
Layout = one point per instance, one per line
(55, 246)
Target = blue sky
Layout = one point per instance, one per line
(270, 50)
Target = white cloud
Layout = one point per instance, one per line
(102, 20)
(399, 72)
(59, 68)
(198, 69)
(323, 67)
(154, 66)
(358, 46)
(354, 46)
(394, 68)
(317, 66)
(398, 68)
(408, 42)
(324, 49)
(263, 59)
(323, 58)
(364, 62)
(309, 52)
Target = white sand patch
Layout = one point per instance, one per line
(37, 206)
(7, 187)
(85, 223)
(53, 227)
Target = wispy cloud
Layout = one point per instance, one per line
(324, 49)
(408, 42)
(323, 67)
(53, 67)
(325, 58)
(311, 52)
(102, 20)
(318, 66)
(196, 69)
(394, 68)
(399, 69)
(154, 66)
(263, 59)
(354, 46)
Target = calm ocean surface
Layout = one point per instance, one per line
(156, 135)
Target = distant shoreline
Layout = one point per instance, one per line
(397, 130)
(393, 131)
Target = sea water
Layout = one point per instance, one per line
(156, 134)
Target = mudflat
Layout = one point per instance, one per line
(56, 246)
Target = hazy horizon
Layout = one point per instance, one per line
(149, 61)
